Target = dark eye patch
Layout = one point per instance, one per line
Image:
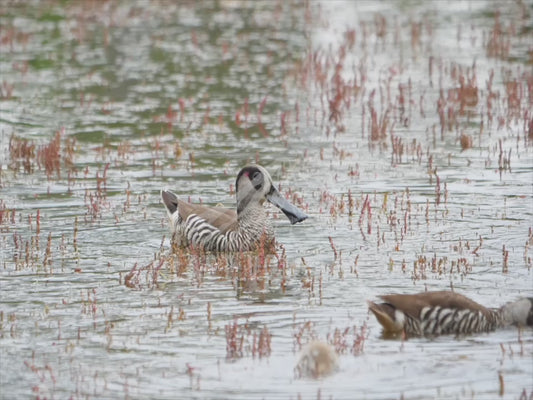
(257, 180)
(255, 176)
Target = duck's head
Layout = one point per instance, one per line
(519, 312)
(254, 185)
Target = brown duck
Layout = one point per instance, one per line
(226, 230)
(445, 312)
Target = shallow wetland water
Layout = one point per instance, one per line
(403, 128)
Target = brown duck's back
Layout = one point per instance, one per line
(224, 219)
(413, 304)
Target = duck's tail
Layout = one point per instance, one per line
(170, 200)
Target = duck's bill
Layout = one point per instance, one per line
(293, 213)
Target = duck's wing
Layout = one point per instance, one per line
(413, 304)
(223, 219)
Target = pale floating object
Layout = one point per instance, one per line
(317, 359)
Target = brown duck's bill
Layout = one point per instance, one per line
(291, 211)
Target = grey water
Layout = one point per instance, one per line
(402, 128)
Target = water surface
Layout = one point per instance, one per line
(402, 128)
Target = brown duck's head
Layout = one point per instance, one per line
(254, 185)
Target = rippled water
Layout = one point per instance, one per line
(141, 96)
